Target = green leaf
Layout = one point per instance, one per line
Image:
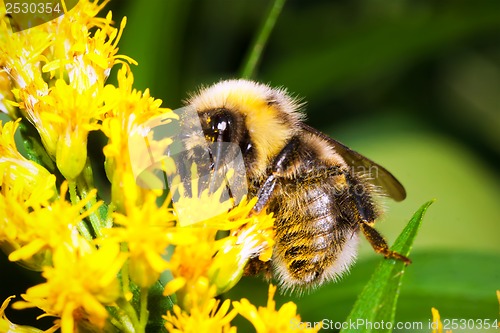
(32, 146)
(255, 51)
(159, 305)
(377, 302)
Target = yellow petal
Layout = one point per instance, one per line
(174, 285)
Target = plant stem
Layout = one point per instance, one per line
(144, 314)
(128, 317)
(124, 273)
(84, 183)
(255, 52)
(82, 226)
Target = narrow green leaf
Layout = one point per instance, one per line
(376, 305)
(32, 146)
(158, 306)
(255, 52)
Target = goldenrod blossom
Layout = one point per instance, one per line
(78, 64)
(25, 187)
(205, 315)
(6, 94)
(18, 231)
(147, 239)
(221, 261)
(14, 167)
(498, 296)
(207, 206)
(191, 262)
(251, 236)
(268, 319)
(127, 110)
(7, 326)
(78, 286)
(101, 259)
(49, 227)
(437, 325)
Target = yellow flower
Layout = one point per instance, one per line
(147, 231)
(148, 147)
(22, 52)
(14, 167)
(191, 262)
(7, 326)
(268, 319)
(54, 76)
(437, 326)
(251, 236)
(127, 110)
(86, 57)
(205, 208)
(25, 187)
(47, 227)
(6, 94)
(72, 115)
(498, 296)
(16, 202)
(65, 104)
(221, 261)
(205, 315)
(78, 286)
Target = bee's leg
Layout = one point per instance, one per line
(379, 244)
(365, 208)
(264, 193)
(256, 267)
(282, 164)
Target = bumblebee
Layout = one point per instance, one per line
(322, 193)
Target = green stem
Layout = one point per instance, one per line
(144, 314)
(124, 273)
(82, 226)
(94, 218)
(116, 318)
(255, 52)
(128, 317)
(85, 182)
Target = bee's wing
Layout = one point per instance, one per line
(378, 174)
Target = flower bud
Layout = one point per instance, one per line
(71, 153)
(227, 268)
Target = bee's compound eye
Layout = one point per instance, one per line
(220, 127)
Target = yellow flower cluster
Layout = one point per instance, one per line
(102, 259)
(436, 321)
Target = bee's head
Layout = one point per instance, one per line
(221, 125)
(256, 117)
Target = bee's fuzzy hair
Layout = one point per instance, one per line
(271, 115)
(223, 93)
(345, 259)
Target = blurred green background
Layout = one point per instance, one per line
(413, 85)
